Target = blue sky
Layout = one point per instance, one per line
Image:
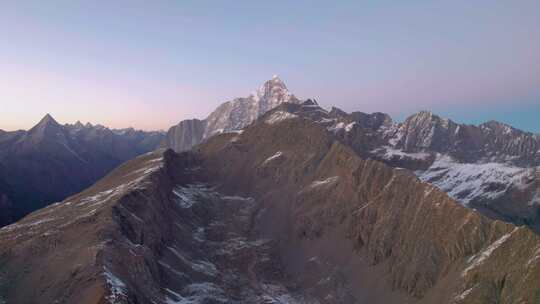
(150, 64)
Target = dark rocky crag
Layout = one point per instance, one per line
(284, 212)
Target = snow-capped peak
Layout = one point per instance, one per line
(240, 112)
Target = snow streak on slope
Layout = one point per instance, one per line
(389, 153)
(279, 116)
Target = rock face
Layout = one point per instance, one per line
(185, 135)
(229, 116)
(284, 212)
(51, 161)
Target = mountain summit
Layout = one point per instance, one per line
(271, 94)
(46, 122)
(48, 129)
(47, 119)
(230, 116)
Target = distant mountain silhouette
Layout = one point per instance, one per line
(51, 161)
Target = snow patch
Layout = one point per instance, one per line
(116, 287)
(174, 271)
(203, 267)
(186, 196)
(481, 257)
(327, 120)
(323, 182)
(391, 153)
(464, 294)
(341, 126)
(279, 116)
(197, 293)
(534, 258)
(277, 294)
(271, 158)
(200, 234)
(536, 199)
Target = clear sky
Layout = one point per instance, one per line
(150, 64)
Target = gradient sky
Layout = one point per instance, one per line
(150, 64)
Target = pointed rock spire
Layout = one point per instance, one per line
(79, 124)
(47, 119)
(47, 128)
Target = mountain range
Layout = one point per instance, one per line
(493, 167)
(284, 212)
(52, 161)
(273, 199)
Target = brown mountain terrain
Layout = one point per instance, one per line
(284, 212)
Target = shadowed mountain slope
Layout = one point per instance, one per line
(51, 161)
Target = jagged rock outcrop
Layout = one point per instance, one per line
(230, 116)
(51, 161)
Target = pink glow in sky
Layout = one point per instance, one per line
(151, 64)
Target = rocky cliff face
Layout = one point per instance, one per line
(51, 161)
(282, 213)
(233, 115)
(185, 135)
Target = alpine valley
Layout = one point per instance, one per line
(272, 199)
